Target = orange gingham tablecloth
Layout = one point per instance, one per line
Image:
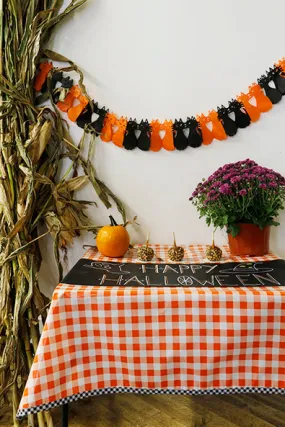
(100, 340)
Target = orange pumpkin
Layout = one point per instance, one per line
(113, 240)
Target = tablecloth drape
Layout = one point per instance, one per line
(99, 340)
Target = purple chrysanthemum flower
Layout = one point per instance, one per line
(258, 169)
(227, 176)
(216, 184)
(225, 189)
(220, 194)
(235, 179)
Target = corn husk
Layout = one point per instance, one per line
(33, 142)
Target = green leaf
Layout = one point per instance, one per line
(272, 223)
(225, 220)
(233, 229)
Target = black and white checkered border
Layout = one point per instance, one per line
(111, 390)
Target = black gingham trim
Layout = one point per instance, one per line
(112, 390)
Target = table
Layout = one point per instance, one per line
(179, 340)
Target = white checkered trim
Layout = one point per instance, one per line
(112, 390)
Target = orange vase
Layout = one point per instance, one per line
(250, 241)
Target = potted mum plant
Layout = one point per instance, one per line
(244, 198)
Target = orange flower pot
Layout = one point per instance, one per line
(250, 241)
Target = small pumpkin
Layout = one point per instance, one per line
(113, 240)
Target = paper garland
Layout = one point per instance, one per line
(178, 134)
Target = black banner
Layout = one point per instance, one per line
(94, 273)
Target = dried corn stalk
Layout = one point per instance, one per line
(33, 140)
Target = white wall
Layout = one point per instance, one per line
(166, 59)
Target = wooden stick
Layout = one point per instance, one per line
(174, 239)
(213, 238)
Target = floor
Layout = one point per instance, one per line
(127, 410)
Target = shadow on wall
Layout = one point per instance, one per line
(276, 241)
